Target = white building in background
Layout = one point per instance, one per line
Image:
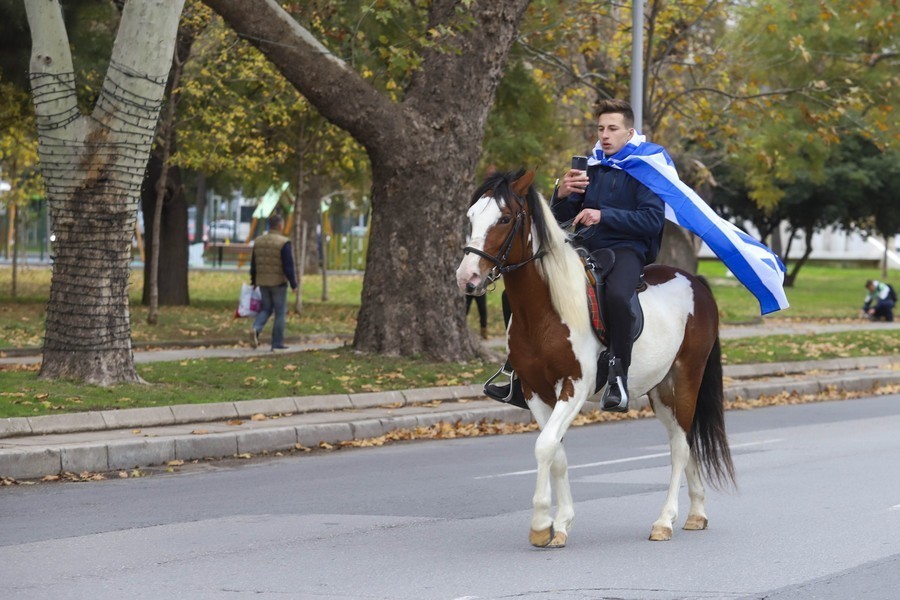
(833, 244)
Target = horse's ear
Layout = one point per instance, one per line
(520, 186)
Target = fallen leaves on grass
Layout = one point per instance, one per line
(21, 367)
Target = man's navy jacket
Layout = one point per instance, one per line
(631, 216)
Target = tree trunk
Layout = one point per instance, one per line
(678, 248)
(791, 277)
(406, 306)
(200, 203)
(297, 234)
(312, 200)
(92, 169)
(163, 192)
(172, 281)
(423, 152)
(14, 226)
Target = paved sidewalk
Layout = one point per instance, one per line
(32, 447)
(241, 349)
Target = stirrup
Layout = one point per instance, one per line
(489, 386)
(614, 404)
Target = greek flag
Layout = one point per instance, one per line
(752, 262)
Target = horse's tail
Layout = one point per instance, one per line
(708, 440)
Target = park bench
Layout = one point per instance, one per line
(218, 252)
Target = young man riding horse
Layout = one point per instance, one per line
(622, 215)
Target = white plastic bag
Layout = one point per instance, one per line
(250, 303)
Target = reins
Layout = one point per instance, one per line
(500, 267)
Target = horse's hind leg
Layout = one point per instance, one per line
(681, 456)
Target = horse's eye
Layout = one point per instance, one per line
(504, 220)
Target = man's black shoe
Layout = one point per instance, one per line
(615, 397)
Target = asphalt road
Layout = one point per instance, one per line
(816, 515)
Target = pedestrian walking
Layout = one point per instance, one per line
(272, 269)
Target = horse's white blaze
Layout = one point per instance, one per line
(482, 215)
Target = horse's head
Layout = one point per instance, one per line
(501, 217)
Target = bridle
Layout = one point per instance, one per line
(499, 261)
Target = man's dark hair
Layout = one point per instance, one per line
(275, 220)
(868, 283)
(615, 105)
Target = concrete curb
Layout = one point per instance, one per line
(245, 409)
(198, 413)
(102, 441)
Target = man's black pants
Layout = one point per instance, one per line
(620, 286)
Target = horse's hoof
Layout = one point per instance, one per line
(542, 538)
(660, 534)
(558, 541)
(696, 523)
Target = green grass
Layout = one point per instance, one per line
(210, 315)
(342, 371)
(821, 293)
(224, 380)
(786, 348)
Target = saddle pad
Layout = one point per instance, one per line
(594, 308)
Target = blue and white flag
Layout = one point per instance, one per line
(751, 261)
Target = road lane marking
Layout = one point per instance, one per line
(622, 460)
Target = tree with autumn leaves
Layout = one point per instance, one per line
(407, 89)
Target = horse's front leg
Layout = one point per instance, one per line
(541, 523)
(552, 476)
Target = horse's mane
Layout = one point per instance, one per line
(560, 266)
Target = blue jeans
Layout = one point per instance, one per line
(274, 300)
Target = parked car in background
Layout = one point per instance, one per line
(192, 232)
(223, 229)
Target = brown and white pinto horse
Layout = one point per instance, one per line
(554, 351)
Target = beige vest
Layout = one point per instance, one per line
(267, 250)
